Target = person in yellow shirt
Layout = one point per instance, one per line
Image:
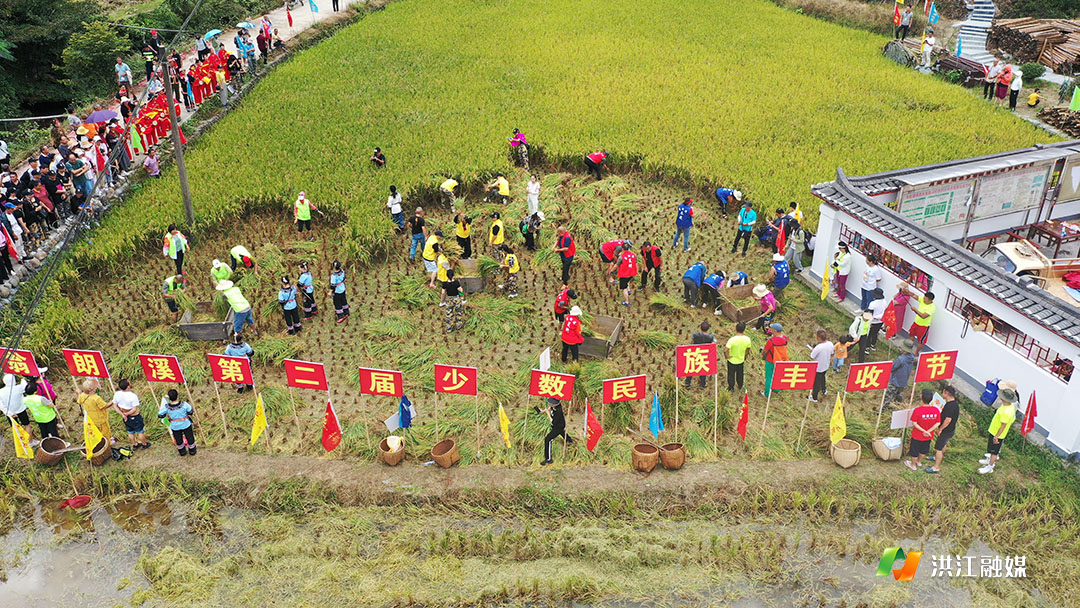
(1034, 98)
(95, 407)
(496, 236)
(463, 233)
(513, 267)
(429, 254)
(499, 189)
(999, 428)
(442, 265)
(447, 189)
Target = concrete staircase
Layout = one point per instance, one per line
(973, 32)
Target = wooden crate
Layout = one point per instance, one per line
(206, 331)
(727, 303)
(468, 274)
(606, 332)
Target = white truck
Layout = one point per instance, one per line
(1023, 259)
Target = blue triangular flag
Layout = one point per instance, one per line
(314, 7)
(959, 46)
(934, 16)
(405, 412)
(656, 420)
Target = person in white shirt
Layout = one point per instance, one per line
(870, 279)
(878, 306)
(1014, 88)
(126, 401)
(928, 47)
(11, 400)
(533, 190)
(393, 203)
(990, 82)
(841, 267)
(822, 354)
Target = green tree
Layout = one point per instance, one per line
(89, 57)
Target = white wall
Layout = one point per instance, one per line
(981, 357)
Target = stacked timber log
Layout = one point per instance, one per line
(1062, 119)
(971, 72)
(1054, 43)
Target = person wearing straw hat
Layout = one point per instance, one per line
(768, 306)
(554, 413)
(571, 334)
(728, 196)
(239, 304)
(779, 274)
(999, 428)
(178, 413)
(219, 272)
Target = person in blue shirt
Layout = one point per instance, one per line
(337, 290)
(179, 415)
(691, 281)
(287, 297)
(239, 348)
(710, 288)
(684, 220)
(306, 284)
(780, 274)
(728, 196)
(747, 219)
(738, 278)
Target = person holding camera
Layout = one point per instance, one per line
(554, 413)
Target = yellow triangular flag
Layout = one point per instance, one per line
(504, 425)
(825, 284)
(91, 435)
(22, 441)
(838, 425)
(259, 424)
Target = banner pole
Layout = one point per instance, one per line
(191, 400)
(879, 410)
(715, 409)
(911, 401)
(676, 409)
(476, 411)
(111, 385)
(641, 423)
(802, 425)
(153, 393)
(765, 418)
(221, 408)
(436, 417)
(601, 412)
(292, 400)
(524, 425)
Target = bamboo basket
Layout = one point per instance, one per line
(46, 451)
(673, 456)
(845, 453)
(884, 453)
(445, 453)
(102, 453)
(392, 458)
(644, 457)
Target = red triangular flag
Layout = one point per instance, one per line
(889, 320)
(331, 432)
(593, 430)
(745, 417)
(896, 15)
(781, 242)
(1029, 416)
(288, 14)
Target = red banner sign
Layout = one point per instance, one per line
(161, 368)
(551, 384)
(695, 360)
(20, 363)
(85, 363)
(306, 374)
(628, 388)
(383, 382)
(868, 376)
(794, 375)
(455, 379)
(936, 366)
(231, 370)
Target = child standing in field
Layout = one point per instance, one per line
(513, 267)
(126, 402)
(306, 283)
(179, 415)
(840, 352)
(337, 291)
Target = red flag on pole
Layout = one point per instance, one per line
(1029, 416)
(926, 7)
(781, 241)
(593, 430)
(896, 15)
(889, 320)
(331, 432)
(288, 14)
(745, 417)
(10, 245)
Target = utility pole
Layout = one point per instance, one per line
(178, 150)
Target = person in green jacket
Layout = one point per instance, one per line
(240, 306)
(169, 290)
(240, 255)
(219, 272)
(302, 213)
(174, 246)
(42, 410)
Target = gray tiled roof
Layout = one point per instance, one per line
(852, 196)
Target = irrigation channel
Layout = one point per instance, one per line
(133, 550)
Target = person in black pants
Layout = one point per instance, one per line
(822, 354)
(651, 254)
(335, 6)
(701, 337)
(565, 246)
(558, 428)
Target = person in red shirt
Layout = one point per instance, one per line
(571, 334)
(925, 420)
(609, 251)
(562, 303)
(627, 271)
(595, 162)
(651, 254)
(564, 245)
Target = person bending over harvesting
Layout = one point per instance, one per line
(594, 163)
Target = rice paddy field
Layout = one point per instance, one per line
(685, 96)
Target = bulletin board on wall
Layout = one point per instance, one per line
(1011, 191)
(943, 204)
(936, 205)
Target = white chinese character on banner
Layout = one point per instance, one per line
(1016, 566)
(942, 566)
(990, 567)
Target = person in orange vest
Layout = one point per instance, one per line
(627, 271)
(609, 253)
(564, 245)
(571, 334)
(595, 163)
(651, 254)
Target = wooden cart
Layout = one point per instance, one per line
(606, 332)
(729, 296)
(216, 331)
